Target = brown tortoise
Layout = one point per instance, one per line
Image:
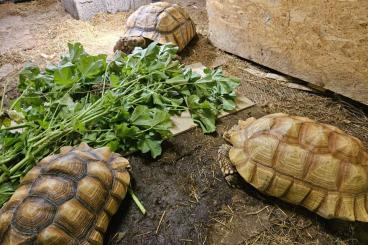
(300, 161)
(161, 22)
(66, 198)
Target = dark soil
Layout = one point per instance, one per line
(187, 200)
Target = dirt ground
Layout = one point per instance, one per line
(188, 201)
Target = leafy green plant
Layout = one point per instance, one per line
(124, 103)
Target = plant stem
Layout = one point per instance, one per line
(23, 125)
(137, 202)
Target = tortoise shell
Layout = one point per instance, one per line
(303, 162)
(66, 198)
(161, 22)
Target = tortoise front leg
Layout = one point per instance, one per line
(227, 168)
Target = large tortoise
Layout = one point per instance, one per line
(161, 22)
(300, 161)
(66, 198)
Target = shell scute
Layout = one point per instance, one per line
(6, 218)
(291, 159)
(53, 235)
(31, 175)
(346, 209)
(91, 191)
(167, 22)
(313, 135)
(71, 214)
(279, 185)
(100, 171)
(247, 170)
(345, 145)
(286, 126)
(104, 153)
(63, 189)
(102, 222)
(262, 149)
(262, 178)
(69, 165)
(297, 192)
(12, 236)
(329, 205)
(355, 179)
(95, 238)
(360, 208)
(324, 171)
(112, 206)
(18, 196)
(33, 214)
(118, 189)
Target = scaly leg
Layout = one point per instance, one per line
(227, 168)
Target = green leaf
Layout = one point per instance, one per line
(123, 131)
(27, 76)
(67, 101)
(113, 145)
(91, 66)
(154, 146)
(6, 122)
(115, 80)
(204, 113)
(89, 137)
(227, 85)
(228, 104)
(141, 117)
(79, 127)
(151, 118)
(65, 76)
(75, 51)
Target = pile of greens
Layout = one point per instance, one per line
(124, 103)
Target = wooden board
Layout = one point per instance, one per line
(321, 42)
(185, 122)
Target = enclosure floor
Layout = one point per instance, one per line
(184, 188)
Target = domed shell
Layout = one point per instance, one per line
(303, 162)
(66, 198)
(161, 22)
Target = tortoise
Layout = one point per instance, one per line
(300, 161)
(160, 22)
(67, 198)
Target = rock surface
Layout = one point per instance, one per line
(85, 9)
(321, 42)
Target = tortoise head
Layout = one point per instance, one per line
(127, 44)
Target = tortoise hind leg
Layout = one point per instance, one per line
(227, 168)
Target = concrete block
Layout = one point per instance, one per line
(85, 9)
(114, 6)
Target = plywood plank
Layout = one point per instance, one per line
(321, 42)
